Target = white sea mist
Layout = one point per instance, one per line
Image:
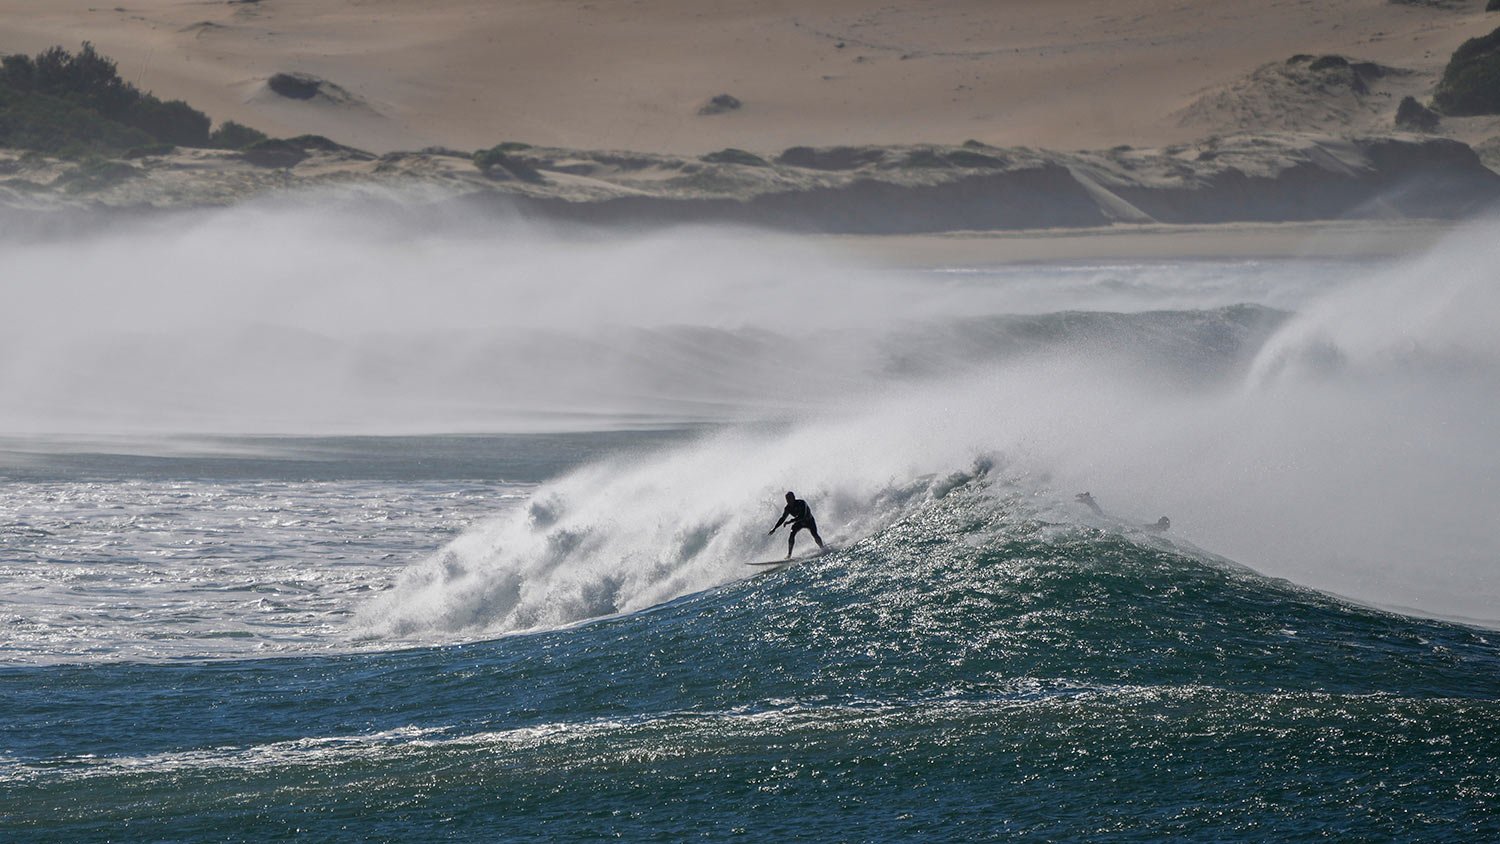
(1350, 446)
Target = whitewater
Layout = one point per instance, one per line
(329, 517)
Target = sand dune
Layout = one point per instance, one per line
(1064, 74)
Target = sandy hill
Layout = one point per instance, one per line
(635, 74)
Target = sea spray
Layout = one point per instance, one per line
(1352, 449)
(624, 535)
(1369, 481)
(303, 318)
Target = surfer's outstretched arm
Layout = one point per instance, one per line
(779, 522)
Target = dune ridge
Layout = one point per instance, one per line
(1273, 177)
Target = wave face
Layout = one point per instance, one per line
(979, 666)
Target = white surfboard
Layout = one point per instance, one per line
(800, 558)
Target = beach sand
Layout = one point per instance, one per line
(467, 74)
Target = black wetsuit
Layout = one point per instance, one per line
(800, 514)
(802, 519)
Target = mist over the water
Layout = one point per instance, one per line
(1349, 446)
(308, 318)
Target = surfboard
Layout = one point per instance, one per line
(800, 558)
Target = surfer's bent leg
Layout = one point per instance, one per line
(791, 539)
(813, 529)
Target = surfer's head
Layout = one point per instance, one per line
(790, 496)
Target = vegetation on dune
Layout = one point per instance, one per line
(231, 135)
(720, 104)
(732, 155)
(830, 158)
(500, 162)
(288, 152)
(96, 174)
(942, 159)
(1471, 81)
(1413, 116)
(75, 105)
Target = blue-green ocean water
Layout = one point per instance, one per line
(976, 669)
(413, 634)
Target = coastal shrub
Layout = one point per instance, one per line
(95, 174)
(149, 150)
(87, 79)
(288, 152)
(731, 155)
(1328, 63)
(75, 104)
(171, 121)
(498, 162)
(322, 144)
(273, 152)
(1471, 81)
(1413, 116)
(965, 158)
(232, 135)
(35, 121)
(925, 159)
(627, 161)
(830, 158)
(295, 86)
(720, 104)
(949, 158)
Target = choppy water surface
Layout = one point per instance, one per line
(181, 568)
(977, 667)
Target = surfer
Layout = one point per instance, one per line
(802, 519)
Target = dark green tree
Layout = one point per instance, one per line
(1471, 81)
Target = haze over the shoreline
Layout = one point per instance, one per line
(469, 73)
